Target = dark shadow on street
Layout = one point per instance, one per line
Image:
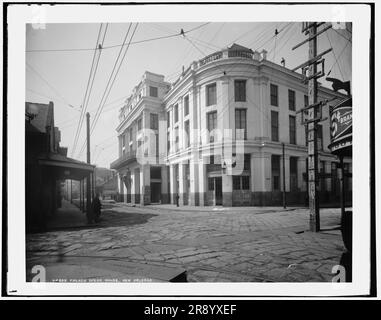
(69, 217)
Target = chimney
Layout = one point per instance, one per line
(264, 54)
(283, 62)
(183, 71)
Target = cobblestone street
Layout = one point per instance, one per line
(211, 244)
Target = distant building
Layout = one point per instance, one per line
(106, 183)
(235, 89)
(46, 165)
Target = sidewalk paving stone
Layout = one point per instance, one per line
(251, 244)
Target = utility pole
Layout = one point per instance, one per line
(88, 182)
(284, 176)
(313, 113)
(312, 135)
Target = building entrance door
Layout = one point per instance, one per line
(155, 192)
(218, 190)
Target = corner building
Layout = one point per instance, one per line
(235, 89)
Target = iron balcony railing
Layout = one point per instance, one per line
(125, 159)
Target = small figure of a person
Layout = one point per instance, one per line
(96, 208)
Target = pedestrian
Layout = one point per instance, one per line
(96, 208)
(177, 199)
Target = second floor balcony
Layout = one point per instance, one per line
(125, 159)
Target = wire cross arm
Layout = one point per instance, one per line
(312, 37)
(313, 60)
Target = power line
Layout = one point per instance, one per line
(333, 51)
(47, 97)
(108, 89)
(108, 82)
(116, 46)
(281, 30)
(91, 76)
(99, 110)
(197, 48)
(47, 83)
(341, 35)
(338, 57)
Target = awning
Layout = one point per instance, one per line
(67, 168)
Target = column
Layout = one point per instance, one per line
(193, 112)
(202, 183)
(227, 190)
(173, 183)
(260, 177)
(135, 190)
(264, 113)
(165, 198)
(287, 172)
(194, 184)
(145, 178)
(181, 123)
(181, 183)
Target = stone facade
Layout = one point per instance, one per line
(232, 89)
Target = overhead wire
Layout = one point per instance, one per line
(47, 83)
(108, 82)
(108, 89)
(89, 85)
(116, 46)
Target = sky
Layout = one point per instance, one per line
(62, 76)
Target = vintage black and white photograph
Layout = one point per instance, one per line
(205, 151)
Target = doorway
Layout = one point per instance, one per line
(218, 190)
(155, 192)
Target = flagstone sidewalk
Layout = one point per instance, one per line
(259, 244)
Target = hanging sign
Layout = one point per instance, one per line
(341, 128)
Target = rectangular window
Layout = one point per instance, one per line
(153, 92)
(168, 142)
(245, 182)
(319, 137)
(123, 144)
(305, 101)
(246, 163)
(210, 184)
(293, 173)
(168, 119)
(140, 124)
(211, 94)
(291, 100)
(131, 134)
(240, 124)
(177, 139)
(240, 90)
(176, 111)
(274, 126)
(322, 175)
(292, 123)
(154, 121)
(186, 106)
(236, 183)
(274, 95)
(211, 123)
(187, 137)
(275, 172)
(306, 134)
